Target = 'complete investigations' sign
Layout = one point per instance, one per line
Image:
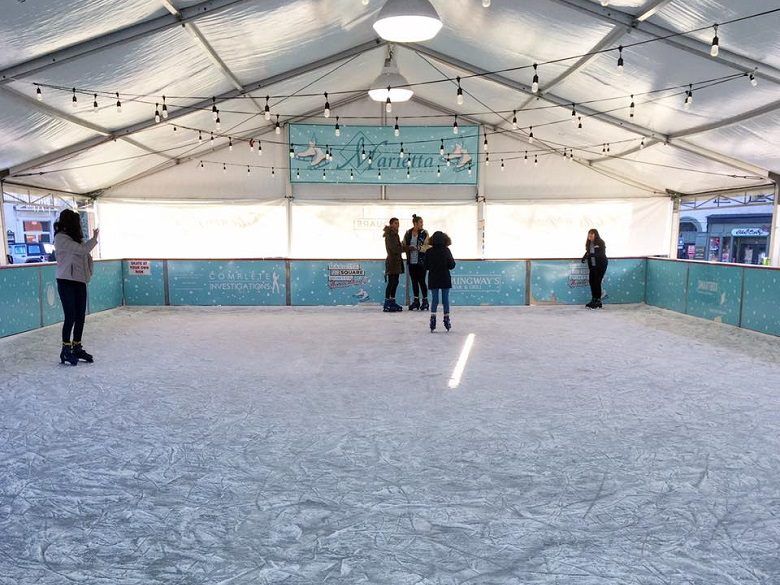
(429, 155)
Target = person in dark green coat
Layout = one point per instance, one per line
(394, 265)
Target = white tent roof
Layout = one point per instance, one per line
(190, 50)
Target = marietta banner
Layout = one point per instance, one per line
(429, 155)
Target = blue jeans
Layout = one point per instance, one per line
(445, 299)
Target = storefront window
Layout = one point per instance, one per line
(732, 229)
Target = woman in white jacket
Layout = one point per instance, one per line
(74, 270)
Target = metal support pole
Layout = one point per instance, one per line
(675, 227)
(774, 234)
(4, 257)
(288, 196)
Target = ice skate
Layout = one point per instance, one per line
(447, 324)
(80, 354)
(591, 304)
(433, 323)
(425, 306)
(415, 306)
(67, 355)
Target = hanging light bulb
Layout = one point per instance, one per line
(351, 175)
(396, 129)
(326, 113)
(175, 128)
(338, 128)
(605, 2)
(485, 144)
(401, 153)
(514, 119)
(327, 153)
(487, 160)
(230, 144)
(214, 112)
(324, 176)
(486, 3)
(259, 148)
(407, 21)
(363, 153)
(390, 84)
(156, 114)
(74, 100)
(531, 135)
(441, 148)
(409, 161)
(164, 109)
(631, 107)
(251, 144)
(267, 109)
(277, 128)
(688, 97)
(573, 114)
(201, 165)
(219, 124)
(118, 104)
(438, 171)
(525, 158)
(642, 144)
(604, 148)
(379, 174)
(752, 78)
(292, 151)
(273, 171)
(620, 60)
(39, 93)
(364, 2)
(536, 161)
(579, 122)
(224, 168)
(388, 103)
(502, 165)
(607, 146)
(715, 43)
(535, 82)
(247, 169)
(298, 174)
(211, 140)
(448, 161)
(469, 169)
(94, 103)
(459, 97)
(408, 173)
(370, 160)
(455, 129)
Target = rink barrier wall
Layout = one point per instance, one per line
(29, 298)
(741, 295)
(736, 294)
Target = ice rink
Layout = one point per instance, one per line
(231, 446)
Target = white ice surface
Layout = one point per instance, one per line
(235, 446)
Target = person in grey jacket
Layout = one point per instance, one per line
(74, 271)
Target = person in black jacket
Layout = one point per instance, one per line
(414, 239)
(439, 262)
(596, 257)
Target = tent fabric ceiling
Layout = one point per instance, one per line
(246, 41)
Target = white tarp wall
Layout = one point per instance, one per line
(557, 229)
(349, 230)
(550, 229)
(143, 229)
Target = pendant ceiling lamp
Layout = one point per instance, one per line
(407, 21)
(390, 84)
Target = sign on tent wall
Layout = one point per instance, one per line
(372, 154)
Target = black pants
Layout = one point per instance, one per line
(417, 274)
(74, 304)
(392, 286)
(595, 276)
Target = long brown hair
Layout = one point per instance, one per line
(69, 223)
(596, 240)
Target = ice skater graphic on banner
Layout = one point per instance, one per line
(313, 152)
(459, 156)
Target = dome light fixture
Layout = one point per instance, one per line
(390, 86)
(407, 21)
